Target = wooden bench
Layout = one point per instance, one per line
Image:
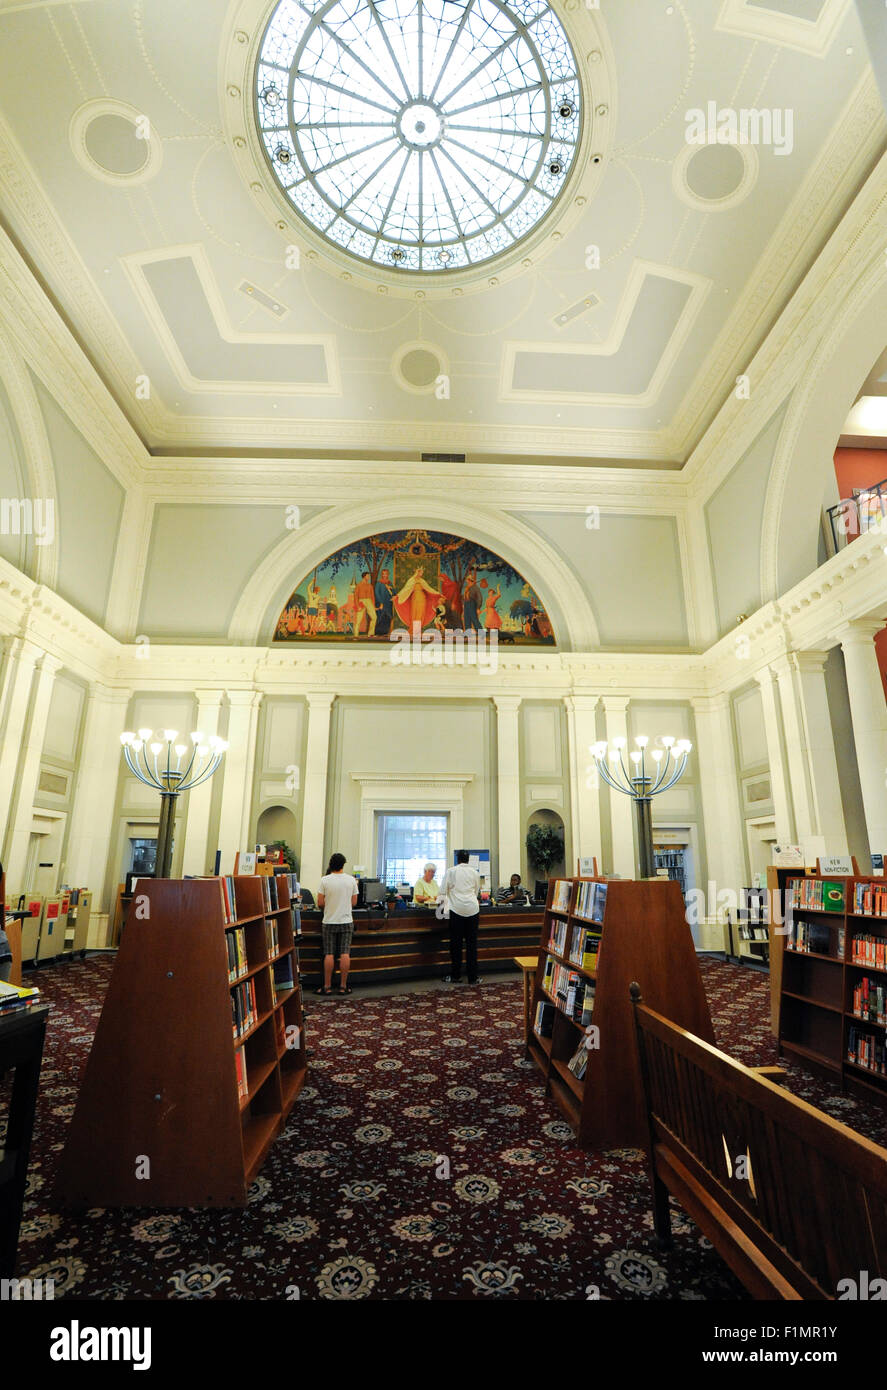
(792, 1200)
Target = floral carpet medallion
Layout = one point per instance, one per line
(423, 1160)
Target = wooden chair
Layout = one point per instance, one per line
(792, 1200)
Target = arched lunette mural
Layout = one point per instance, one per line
(373, 587)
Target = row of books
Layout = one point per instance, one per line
(867, 1051)
(591, 901)
(229, 899)
(240, 1068)
(272, 937)
(815, 938)
(282, 979)
(584, 947)
(243, 1007)
(816, 894)
(558, 939)
(270, 891)
(235, 941)
(870, 899)
(573, 995)
(870, 1000)
(544, 1020)
(14, 998)
(560, 901)
(869, 950)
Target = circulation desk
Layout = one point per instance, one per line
(413, 945)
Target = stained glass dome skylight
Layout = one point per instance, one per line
(419, 135)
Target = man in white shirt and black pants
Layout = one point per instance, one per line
(461, 886)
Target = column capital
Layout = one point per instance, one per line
(812, 661)
(21, 649)
(206, 699)
(320, 699)
(507, 704)
(49, 664)
(710, 704)
(582, 704)
(244, 699)
(615, 704)
(860, 632)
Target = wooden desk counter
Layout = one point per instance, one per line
(413, 944)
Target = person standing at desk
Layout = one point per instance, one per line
(461, 886)
(337, 895)
(426, 889)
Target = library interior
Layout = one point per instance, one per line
(443, 651)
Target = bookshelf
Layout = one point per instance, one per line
(642, 936)
(833, 979)
(161, 1119)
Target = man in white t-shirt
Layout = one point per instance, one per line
(461, 886)
(337, 895)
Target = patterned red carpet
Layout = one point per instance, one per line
(352, 1202)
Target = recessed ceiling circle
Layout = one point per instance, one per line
(115, 142)
(716, 176)
(426, 136)
(420, 367)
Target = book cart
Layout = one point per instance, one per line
(175, 1108)
(833, 978)
(643, 936)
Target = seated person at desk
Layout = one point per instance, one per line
(427, 889)
(514, 893)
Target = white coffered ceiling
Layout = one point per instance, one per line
(182, 288)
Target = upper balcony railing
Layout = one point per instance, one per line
(854, 516)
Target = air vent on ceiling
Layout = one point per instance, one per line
(267, 301)
(443, 458)
(581, 306)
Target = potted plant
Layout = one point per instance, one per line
(545, 847)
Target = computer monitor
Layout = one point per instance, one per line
(373, 891)
(540, 892)
(406, 891)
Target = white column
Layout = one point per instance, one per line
(809, 741)
(780, 787)
(15, 694)
(237, 771)
(868, 709)
(317, 757)
(18, 832)
(508, 785)
(719, 784)
(585, 797)
(98, 772)
(197, 858)
(621, 806)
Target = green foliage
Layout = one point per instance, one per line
(545, 846)
(292, 862)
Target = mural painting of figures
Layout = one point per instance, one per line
(372, 588)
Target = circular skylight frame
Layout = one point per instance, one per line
(541, 158)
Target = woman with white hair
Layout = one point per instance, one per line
(426, 889)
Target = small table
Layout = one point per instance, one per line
(21, 1046)
(527, 966)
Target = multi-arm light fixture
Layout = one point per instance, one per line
(165, 772)
(668, 763)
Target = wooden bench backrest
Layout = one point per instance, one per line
(811, 1194)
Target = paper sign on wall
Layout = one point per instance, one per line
(788, 856)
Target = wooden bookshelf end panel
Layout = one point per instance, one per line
(160, 1083)
(644, 937)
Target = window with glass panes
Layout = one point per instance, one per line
(406, 843)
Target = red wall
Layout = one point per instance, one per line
(863, 468)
